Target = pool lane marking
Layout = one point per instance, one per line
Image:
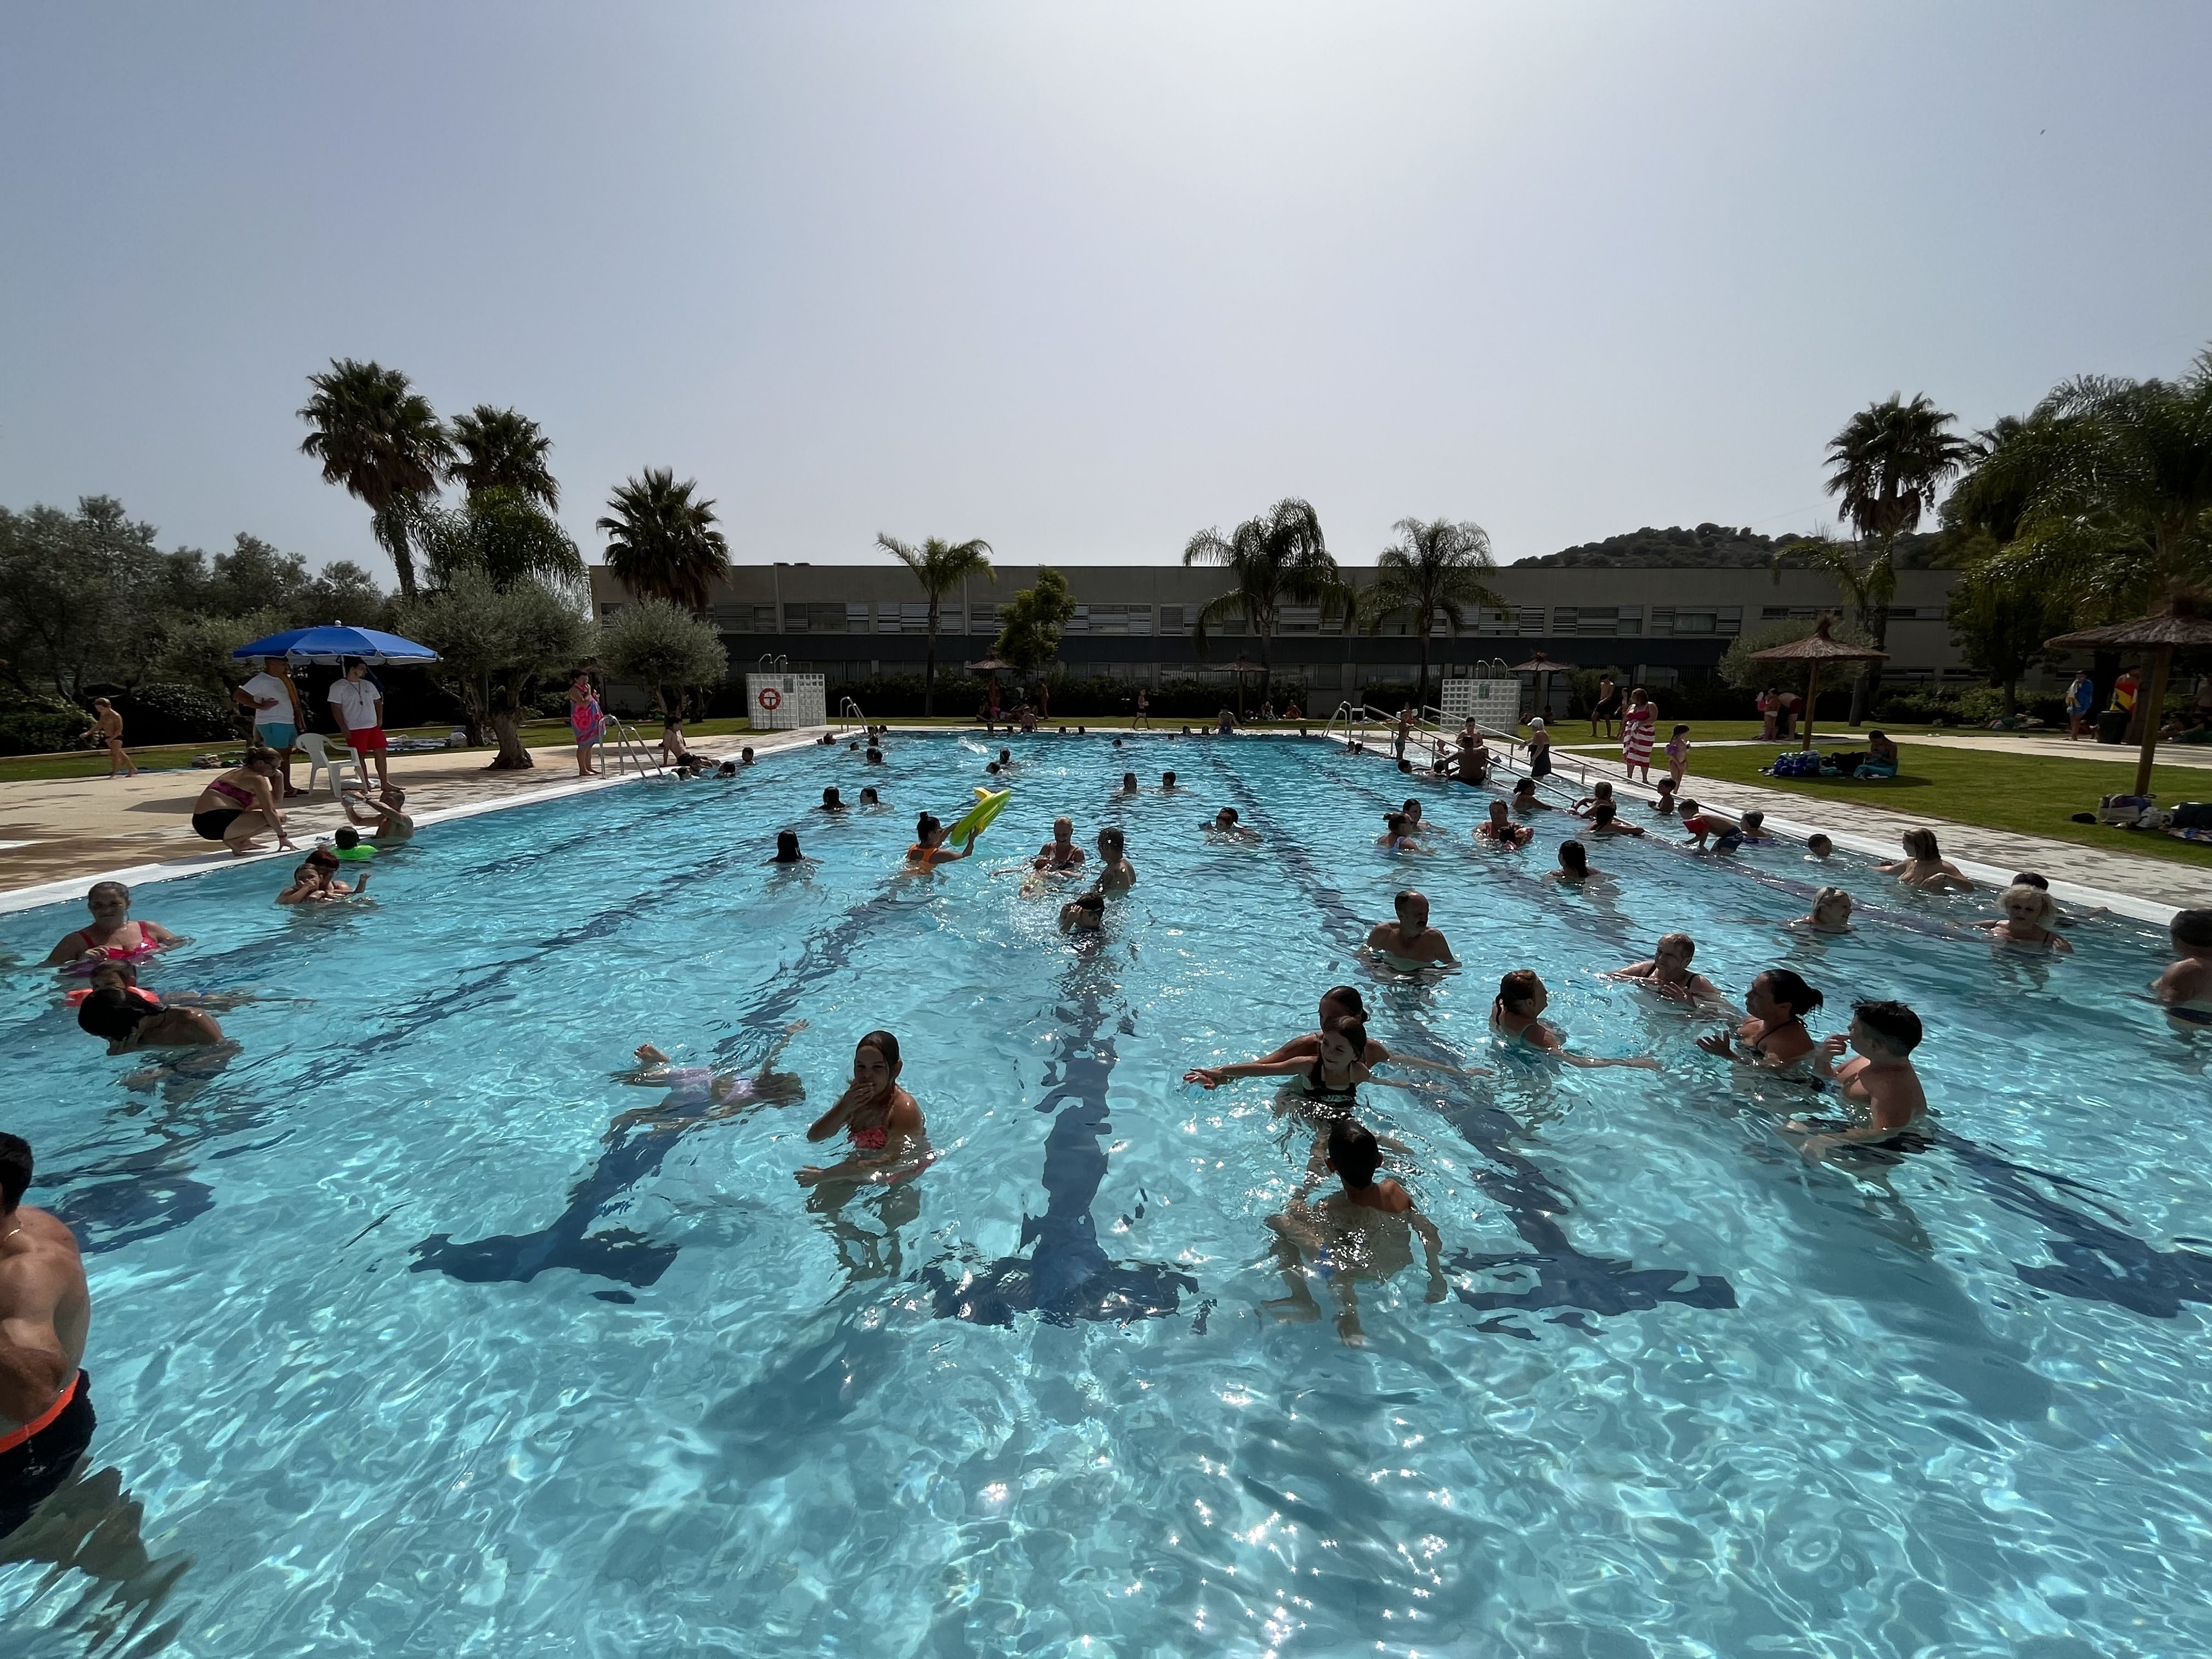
(1565, 1278)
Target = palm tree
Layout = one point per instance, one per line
(1278, 558)
(1887, 465)
(939, 567)
(2103, 495)
(660, 542)
(1435, 570)
(500, 449)
(382, 440)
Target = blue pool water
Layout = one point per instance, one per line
(403, 1345)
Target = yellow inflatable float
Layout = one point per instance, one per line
(989, 803)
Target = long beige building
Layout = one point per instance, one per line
(1132, 623)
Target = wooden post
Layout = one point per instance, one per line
(1812, 691)
(2152, 715)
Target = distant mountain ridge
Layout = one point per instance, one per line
(1708, 547)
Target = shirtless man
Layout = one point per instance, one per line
(2185, 988)
(1115, 873)
(1666, 970)
(1060, 852)
(1881, 1078)
(1224, 826)
(45, 1401)
(1410, 942)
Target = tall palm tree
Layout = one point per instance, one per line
(1276, 559)
(660, 541)
(381, 440)
(1887, 465)
(939, 567)
(1435, 570)
(500, 449)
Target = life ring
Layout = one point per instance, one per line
(770, 698)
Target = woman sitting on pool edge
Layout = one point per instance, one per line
(113, 936)
(884, 1122)
(1775, 1033)
(1514, 1015)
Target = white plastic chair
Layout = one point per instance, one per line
(330, 759)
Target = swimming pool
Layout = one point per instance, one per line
(405, 1348)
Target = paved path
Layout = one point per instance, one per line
(2085, 875)
(71, 829)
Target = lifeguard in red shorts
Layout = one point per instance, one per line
(359, 706)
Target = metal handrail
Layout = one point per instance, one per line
(629, 746)
(848, 711)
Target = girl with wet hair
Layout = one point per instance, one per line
(884, 1123)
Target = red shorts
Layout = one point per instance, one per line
(368, 740)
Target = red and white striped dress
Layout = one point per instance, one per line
(1637, 729)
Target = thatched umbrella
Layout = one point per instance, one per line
(1815, 648)
(2159, 634)
(1542, 667)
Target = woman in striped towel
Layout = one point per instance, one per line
(1639, 725)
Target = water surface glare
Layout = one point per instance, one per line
(418, 1333)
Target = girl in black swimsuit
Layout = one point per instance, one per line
(1333, 1077)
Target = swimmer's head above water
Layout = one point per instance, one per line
(1818, 846)
(1886, 1028)
(1574, 859)
(787, 847)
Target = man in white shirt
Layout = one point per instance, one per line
(275, 715)
(360, 708)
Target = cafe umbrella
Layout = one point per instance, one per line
(334, 643)
(1813, 650)
(2177, 627)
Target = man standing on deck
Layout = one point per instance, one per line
(45, 1401)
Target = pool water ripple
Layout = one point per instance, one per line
(407, 1342)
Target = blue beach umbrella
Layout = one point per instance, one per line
(335, 643)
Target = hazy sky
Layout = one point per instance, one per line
(1081, 279)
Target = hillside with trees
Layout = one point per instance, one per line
(1708, 547)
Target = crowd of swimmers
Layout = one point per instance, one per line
(1364, 1227)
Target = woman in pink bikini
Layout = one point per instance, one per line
(881, 1117)
(113, 937)
(587, 721)
(237, 805)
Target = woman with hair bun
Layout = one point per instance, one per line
(1775, 1034)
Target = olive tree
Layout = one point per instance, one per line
(669, 650)
(496, 645)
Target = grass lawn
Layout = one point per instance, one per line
(2030, 794)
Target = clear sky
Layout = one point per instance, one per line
(1082, 279)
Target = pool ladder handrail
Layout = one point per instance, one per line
(629, 746)
(1358, 717)
(847, 712)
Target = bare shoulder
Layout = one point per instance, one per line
(905, 1112)
(1393, 1198)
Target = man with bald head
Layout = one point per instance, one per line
(1410, 942)
(45, 1401)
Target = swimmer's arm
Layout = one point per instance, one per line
(159, 934)
(1643, 969)
(834, 1118)
(1260, 1068)
(1433, 1247)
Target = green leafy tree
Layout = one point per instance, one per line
(505, 535)
(501, 449)
(1030, 622)
(1435, 571)
(2000, 626)
(381, 440)
(195, 650)
(939, 567)
(661, 543)
(496, 646)
(2102, 497)
(78, 594)
(669, 650)
(1278, 558)
(342, 592)
(1887, 465)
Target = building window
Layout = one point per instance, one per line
(1111, 619)
(985, 620)
(1724, 621)
(1173, 620)
(819, 618)
(903, 618)
(1597, 619)
(1297, 619)
(856, 618)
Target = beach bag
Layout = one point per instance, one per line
(2193, 815)
(2124, 809)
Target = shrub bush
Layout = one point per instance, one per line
(39, 725)
(177, 713)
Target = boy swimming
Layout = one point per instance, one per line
(1881, 1078)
